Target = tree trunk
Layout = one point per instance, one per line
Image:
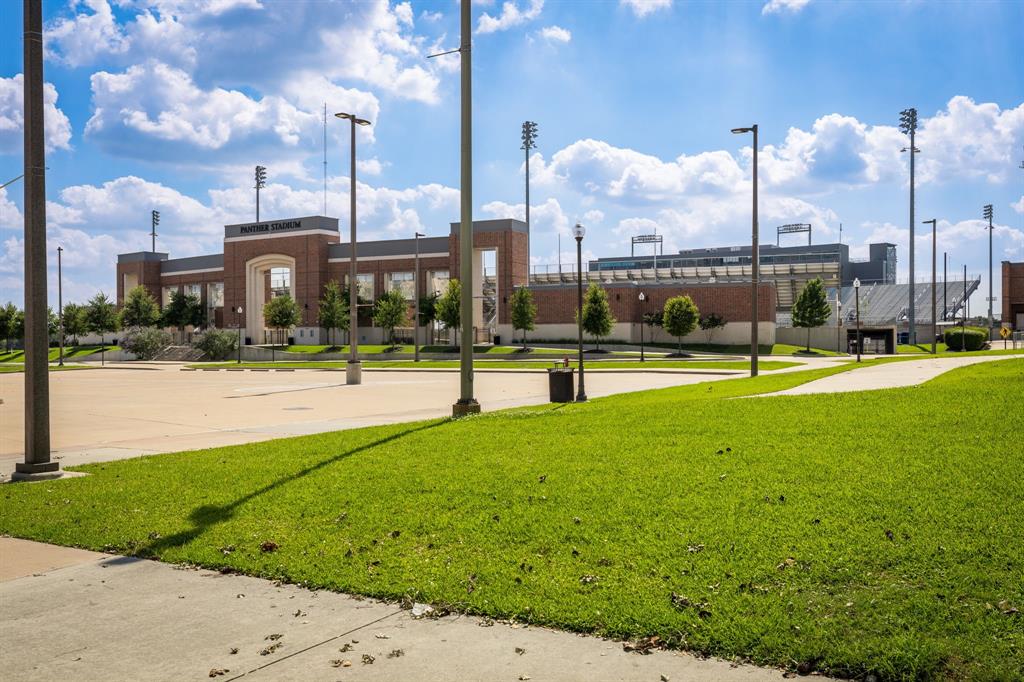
(808, 339)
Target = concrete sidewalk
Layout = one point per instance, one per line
(74, 615)
(890, 375)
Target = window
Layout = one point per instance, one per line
(403, 282)
(437, 282)
(364, 286)
(167, 293)
(280, 282)
(215, 295)
(194, 290)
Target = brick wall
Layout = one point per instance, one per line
(512, 262)
(1013, 292)
(148, 274)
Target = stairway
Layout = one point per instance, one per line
(180, 354)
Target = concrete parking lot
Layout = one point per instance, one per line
(130, 410)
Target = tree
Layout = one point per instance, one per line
(8, 314)
(281, 312)
(811, 308)
(597, 314)
(100, 315)
(217, 344)
(333, 313)
(709, 323)
(74, 321)
(524, 311)
(183, 310)
(140, 309)
(390, 311)
(679, 317)
(449, 307)
(428, 312)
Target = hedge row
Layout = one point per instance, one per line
(970, 338)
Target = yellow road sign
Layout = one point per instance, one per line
(1004, 332)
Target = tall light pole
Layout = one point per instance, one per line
(908, 125)
(416, 294)
(354, 369)
(154, 221)
(642, 297)
(856, 293)
(238, 311)
(37, 382)
(945, 268)
(987, 213)
(839, 319)
(261, 182)
(578, 232)
(755, 257)
(934, 325)
(529, 142)
(963, 343)
(467, 404)
(60, 304)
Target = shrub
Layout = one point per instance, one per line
(145, 342)
(597, 314)
(680, 317)
(217, 344)
(971, 338)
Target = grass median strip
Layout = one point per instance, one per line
(859, 533)
(540, 365)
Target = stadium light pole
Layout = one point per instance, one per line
(755, 257)
(934, 325)
(908, 125)
(529, 142)
(467, 404)
(416, 293)
(37, 461)
(261, 182)
(578, 232)
(60, 304)
(353, 369)
(856, 292)
(154, 218)
(987, 213)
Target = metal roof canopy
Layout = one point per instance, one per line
(791, 229)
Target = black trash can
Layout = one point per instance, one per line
(560, 384)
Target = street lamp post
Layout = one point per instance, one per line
(908, 125)
(467, 404)
(354, 369)
(578, 232)
(839, 318)
(987, 213)
(856, 291)
(945, 268)
(416, 294)
(238, 310)
(755, 256)
(934, 325)
(60, 304)
(641, 298)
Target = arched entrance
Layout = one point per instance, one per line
(258, 284)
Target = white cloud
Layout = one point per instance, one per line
(57, 127)
(555, 34)
(10, 214)
(545, 217)
(1018, 206)
(593, 217)
(642, 8)
(782, 6)
(970, 140)
(510, 16)
(369, 41)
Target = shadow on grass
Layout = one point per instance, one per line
(208, 515)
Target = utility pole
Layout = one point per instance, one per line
(261, 182)
(466, 404)
(154, 221)
(37, 462)
(945, 268)
(60, 303)
(987, 213)
(934, 325)
(416, 293)
(908, 124)
(529, 142)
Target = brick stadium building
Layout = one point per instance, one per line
(1013, 295)
(298, 256)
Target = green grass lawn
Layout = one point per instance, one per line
(17, 368)
(848, 531)
(70, 353)
(538, 365)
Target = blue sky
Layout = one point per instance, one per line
(168, 104)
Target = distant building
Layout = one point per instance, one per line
(1013, 295)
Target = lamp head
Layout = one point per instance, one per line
(908, 120)
(352, 117)
(642, 297)
(740, 131)
(578, 232)
(987, 212)
(856, 283)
